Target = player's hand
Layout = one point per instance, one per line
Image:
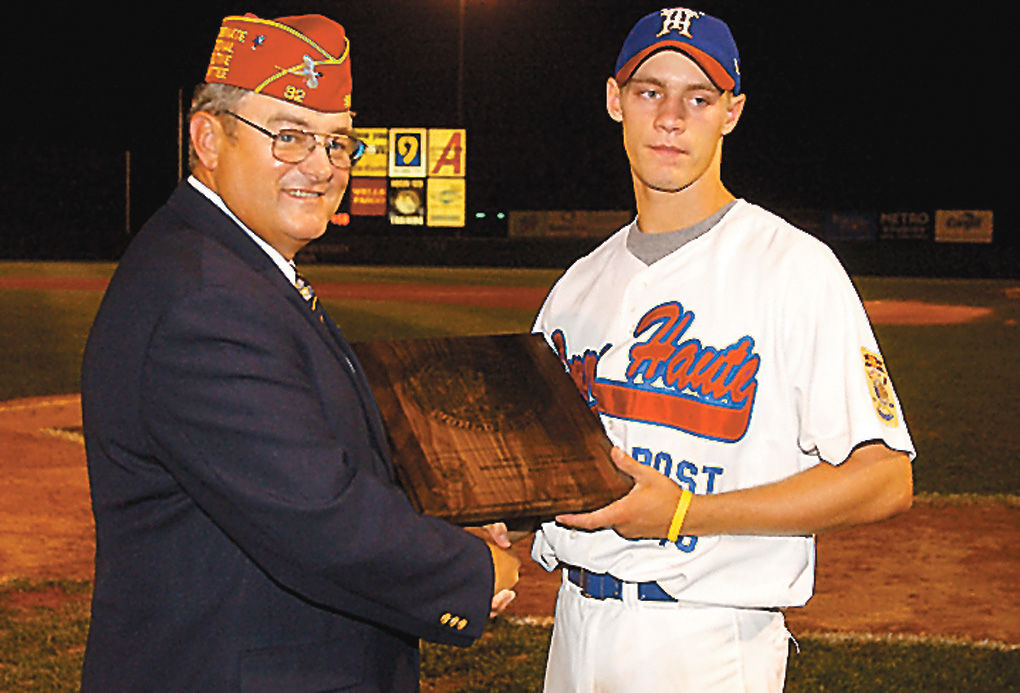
(507, 568)
(644, 513)
(506, 565)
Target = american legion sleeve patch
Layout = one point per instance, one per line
(880, 387)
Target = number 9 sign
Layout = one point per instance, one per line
(407, 152)
(408, 149)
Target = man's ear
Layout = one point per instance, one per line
(613, 105)
(733, 113)
(207, 134)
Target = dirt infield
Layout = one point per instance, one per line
(880, 312)
(921, 313)
(941, 569)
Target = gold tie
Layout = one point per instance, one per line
(306, 291)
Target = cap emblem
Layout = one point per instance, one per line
(309, 71)
(677, 19)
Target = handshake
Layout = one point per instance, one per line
(505, 564)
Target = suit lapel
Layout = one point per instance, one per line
(205, 217)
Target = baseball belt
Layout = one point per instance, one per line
(606, 586)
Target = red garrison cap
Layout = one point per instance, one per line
(303, 60)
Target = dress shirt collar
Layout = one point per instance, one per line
(285, 265)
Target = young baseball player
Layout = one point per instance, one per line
(732, 364)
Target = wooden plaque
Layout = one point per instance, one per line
(490, 428)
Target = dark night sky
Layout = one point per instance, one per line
(851, 105)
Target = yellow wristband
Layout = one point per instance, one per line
(679, 515)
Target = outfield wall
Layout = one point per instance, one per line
(487, 245)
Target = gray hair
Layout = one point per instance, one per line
(216, 99)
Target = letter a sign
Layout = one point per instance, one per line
(447, 153)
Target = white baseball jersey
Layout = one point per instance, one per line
(741, 358)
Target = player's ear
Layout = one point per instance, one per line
(613, 106)
(207, 136)
(733, 112)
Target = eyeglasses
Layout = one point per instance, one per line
(293, 146)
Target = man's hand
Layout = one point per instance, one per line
(498, 534)
(505, 564)
(644, 513)
(500, 601)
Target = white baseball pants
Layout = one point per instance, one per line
(624, 645)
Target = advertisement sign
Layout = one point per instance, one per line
(564, 224)
(407, 202)
(383, 181)
(446, 202)
(368, 196)
(407, 153)
(904, 226)
(447, 153)
(964, 225)
(375, 161)
(851, 226)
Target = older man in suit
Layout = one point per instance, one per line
(250, 535)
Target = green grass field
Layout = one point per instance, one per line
(41, 649)
(959, 384)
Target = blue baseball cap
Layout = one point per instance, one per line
(703, 38)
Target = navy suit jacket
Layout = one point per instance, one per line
(249, 534)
